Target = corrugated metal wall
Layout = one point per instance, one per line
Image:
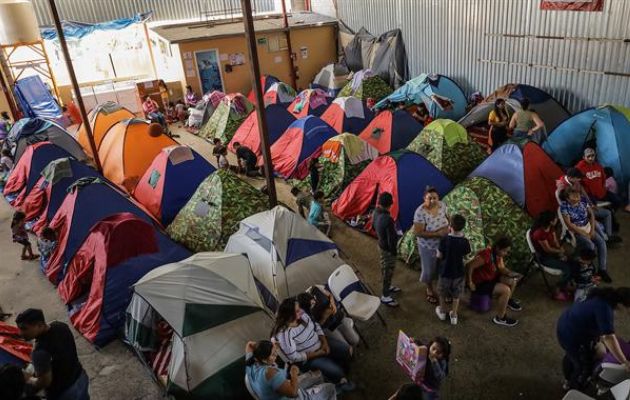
(104, 10)
(483, 44)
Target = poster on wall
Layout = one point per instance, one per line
(209, 70)
(568, 5)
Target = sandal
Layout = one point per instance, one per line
(431, 298)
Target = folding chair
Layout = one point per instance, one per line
(346, 288)
(576, 395)
(566, 234)
(613, 373)
(535, 262)
(621, 391)
(248, 385)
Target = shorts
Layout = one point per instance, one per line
(486, 288)
(451, 287)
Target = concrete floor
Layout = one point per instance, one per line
(488, 361)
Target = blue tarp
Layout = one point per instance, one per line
(35, 99)
(78, 30)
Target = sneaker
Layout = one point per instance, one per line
(453, 318)
(505, 321)
(389, 301)
(394, 289)
(440, 314)
(605, 277)
(514, 305)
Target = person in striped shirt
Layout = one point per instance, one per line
(303, 342)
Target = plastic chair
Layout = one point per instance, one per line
(613, 373)
(346, 287)
(248, 385)
(566, 233)
(621, 391)
(537, 264)
(576, 395)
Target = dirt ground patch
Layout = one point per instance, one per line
(488, 361)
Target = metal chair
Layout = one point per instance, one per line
(539, 265)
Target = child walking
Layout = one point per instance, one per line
(20, 235)
(451, 252)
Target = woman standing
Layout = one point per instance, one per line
(430, 223)
(498, 121)
(583, 325)
(525, 123)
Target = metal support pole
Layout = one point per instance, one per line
(75, 83)
(152, 57)
(6, 90)
(287, 32)
(250, 36)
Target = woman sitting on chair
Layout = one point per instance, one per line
(268, 382)
(549, 251)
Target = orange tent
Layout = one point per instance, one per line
(128, 149)
(101, 118)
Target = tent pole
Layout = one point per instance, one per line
(287, 32)
(250, 35)
(75, 83)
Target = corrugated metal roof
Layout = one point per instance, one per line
(92, 11)
(578, 57)
(191, 32)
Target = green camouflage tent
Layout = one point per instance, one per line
(372, 87)
(214, 212)
(489, 213)
(227, 117)
(343, 158)
(446, 145)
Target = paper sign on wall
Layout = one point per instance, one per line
(223, 57)
(188, 64)
(304, 52)
(190, 73)
(188, 55)
(277, 59)
(570, 5)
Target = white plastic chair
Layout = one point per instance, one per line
(621, 391)
(613, 373)
(358, 305)
(576, 395)
(248, 385)
(566, 233)
(537, 264)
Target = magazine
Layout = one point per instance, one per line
(411, 357)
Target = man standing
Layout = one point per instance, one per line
(387, 241)
(54, 358)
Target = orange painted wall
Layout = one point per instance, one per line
(319, 41)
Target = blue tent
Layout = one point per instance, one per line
(29, 131)
(440, 94)
(88, 201)
(606, 127)
(170, 181)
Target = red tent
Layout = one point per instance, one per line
(348, 114)
(13, 349)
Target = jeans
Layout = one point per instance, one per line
(388, 263)
(335, 364)
(345, 332)
(520, 134)
(78, 390)
(556, 263)
(605, 217)
(428, 262)
(597, 242)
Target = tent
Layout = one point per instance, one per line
(118, 251)
(607, 127)
(203, 110)
(227, 117)
(214, 211)
(266, 82)
(404, 174)
(347, 114)
(441, 95)
(29, 131)
(343, 158)
(127, 151)
(310, 102)
(490, 213)
(278, 120)
(445, 143)
(365, 85)
(211, 303)
(41, 204)
(170, 181)
(279, 93)
(525, 172)
(101, 118)
(287, 254)
(88, 201)
(331, 79)
(545, 105)
(301, 142)
(13, 349)
(26, 171)
(391, 130)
